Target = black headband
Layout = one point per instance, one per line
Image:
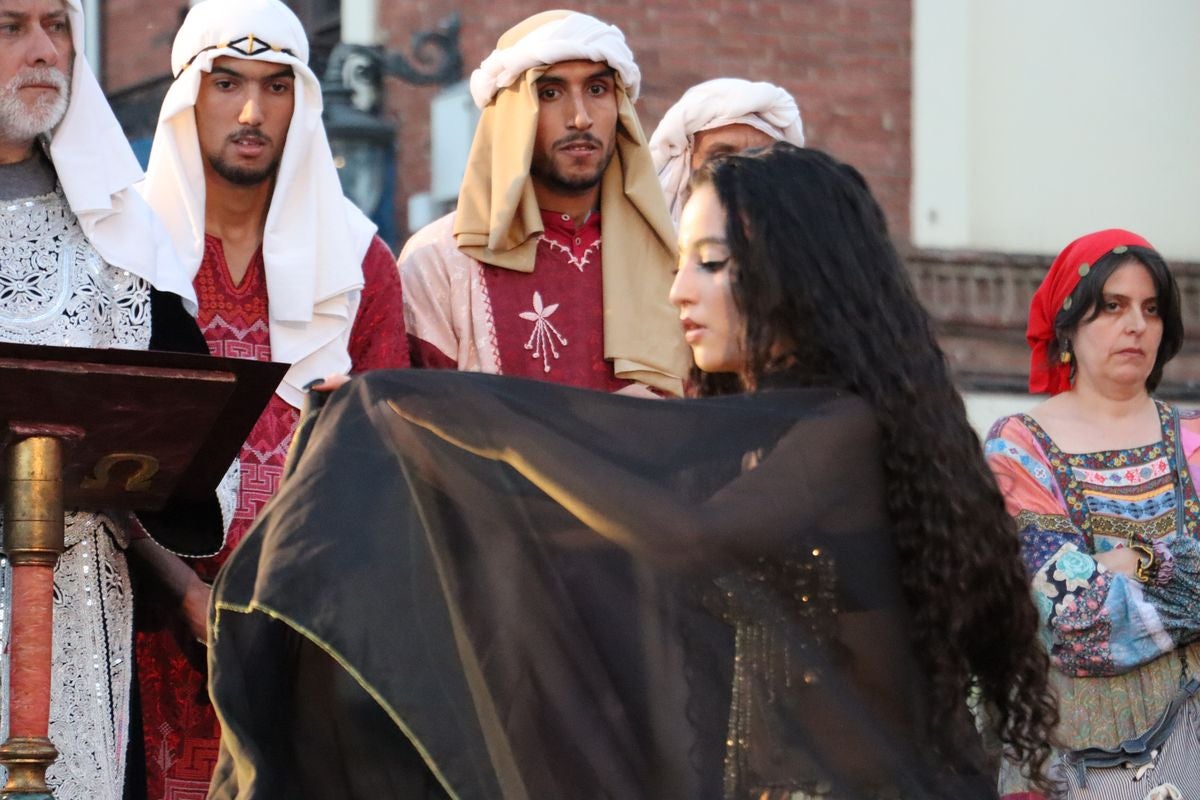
(253, 46)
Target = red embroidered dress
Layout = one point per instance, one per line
(547, 324)
(180, 729)
(550, 322)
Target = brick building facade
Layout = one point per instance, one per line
(846, 61)
(849, 64)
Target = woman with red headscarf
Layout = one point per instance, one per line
(1099, 480)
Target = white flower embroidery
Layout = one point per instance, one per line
(541, 341)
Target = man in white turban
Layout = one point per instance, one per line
(285, 269)
(80, 257)
(515, 281)
(725, 115)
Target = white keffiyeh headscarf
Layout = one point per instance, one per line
(315, 238)
(715, 104)
(97, 171)
(569, 37)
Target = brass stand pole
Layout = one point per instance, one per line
(33, 542)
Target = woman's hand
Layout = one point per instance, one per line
(195, 609)
(330, 383)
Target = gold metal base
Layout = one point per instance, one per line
(33, 501)
(27, 760)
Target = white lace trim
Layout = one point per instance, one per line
(227, 496)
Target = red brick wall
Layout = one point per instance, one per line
(848, 62)
(137, 38)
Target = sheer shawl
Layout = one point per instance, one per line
(524, 590)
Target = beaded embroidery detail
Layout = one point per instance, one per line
(765, 604)
(55, 289)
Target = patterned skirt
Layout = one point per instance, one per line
(1104, 711)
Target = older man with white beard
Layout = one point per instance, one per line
(79, 252)
(33, 99)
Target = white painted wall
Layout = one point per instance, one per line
(985, 408)
(941, 142)
(360, 22)
(91, 36)
(1035, 121)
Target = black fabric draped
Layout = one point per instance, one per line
(190, 528)
(492, 588)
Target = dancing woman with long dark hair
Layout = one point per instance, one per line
(788, 589)
(823, 300)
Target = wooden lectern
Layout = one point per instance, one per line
(110, 430)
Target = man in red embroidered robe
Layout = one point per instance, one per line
(285, 268)
(515, 281)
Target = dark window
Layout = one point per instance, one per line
(322, 22)
(316, 14)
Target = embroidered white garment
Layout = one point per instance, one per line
(315, 239)
(56, 289)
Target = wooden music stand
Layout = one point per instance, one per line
(100, 429)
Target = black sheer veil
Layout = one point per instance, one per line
(484, 587)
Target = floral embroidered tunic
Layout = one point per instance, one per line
(546, 324)
(55, 289)
(181, 730)
(1111, 638)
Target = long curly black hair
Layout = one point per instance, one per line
(814, 268)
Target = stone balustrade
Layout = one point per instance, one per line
(979, 302)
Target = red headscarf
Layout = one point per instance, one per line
(1072, 264)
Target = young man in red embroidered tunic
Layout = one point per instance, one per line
(515, 281)
(285, 268)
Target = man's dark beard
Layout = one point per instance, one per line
(243, 177)
(542, 168)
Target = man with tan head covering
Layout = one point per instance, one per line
(81, 256)
(725, 115)
(515, 281)
(285, 269)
